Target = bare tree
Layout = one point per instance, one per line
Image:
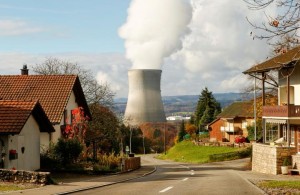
(94, 92)
(281, 31)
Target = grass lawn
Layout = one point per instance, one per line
(6, 186)
(186, 151)
(280, 184)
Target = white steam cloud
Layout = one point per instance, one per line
(154, 30)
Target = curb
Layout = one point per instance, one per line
(263, 192)
(103, 185)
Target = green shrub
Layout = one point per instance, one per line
(287, 161)
(49, 162)
(68, 151)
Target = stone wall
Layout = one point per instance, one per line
(19, 176)
(268, 159)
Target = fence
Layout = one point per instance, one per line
(130, 163)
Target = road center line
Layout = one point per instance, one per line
(185, 166)
(166, 189)
(185, 179)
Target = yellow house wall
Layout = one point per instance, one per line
(294, 81)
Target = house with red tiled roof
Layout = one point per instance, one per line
(232, 122)
(58, 95)
(21, 123)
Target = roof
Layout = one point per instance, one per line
(276, 62)
(52, 92)
(237, 109)
(15, 113)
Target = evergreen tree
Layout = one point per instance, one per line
(181, 132)
(207, 109)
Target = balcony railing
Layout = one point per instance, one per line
(281, 111)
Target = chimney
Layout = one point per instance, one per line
(24, 70)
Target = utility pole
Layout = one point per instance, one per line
(255, 108)
(130, 139)
(165, 138)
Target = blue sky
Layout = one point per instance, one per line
(64, 26)
(212, 50)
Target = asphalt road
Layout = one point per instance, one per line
(179, 178)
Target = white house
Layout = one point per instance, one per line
(21, 123)
(58, 95)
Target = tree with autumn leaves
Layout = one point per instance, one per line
(282, 27)
(69, 148)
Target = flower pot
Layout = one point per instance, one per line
(284, 170)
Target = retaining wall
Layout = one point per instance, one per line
(269, 159)
(19, 176)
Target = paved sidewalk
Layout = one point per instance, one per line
(75, 186)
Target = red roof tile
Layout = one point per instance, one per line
(14, 114)
(52, 92)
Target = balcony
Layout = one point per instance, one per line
(229, 129)
(281, 111)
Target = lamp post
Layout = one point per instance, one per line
(255, 108)
(144, 143)
(130, 128)
(165, 138)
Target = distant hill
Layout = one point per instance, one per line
(185, 103)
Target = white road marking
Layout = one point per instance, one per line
(185, 166)
(166, 189)
(185, 179)
(192, 172)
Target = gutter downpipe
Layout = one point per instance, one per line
(263, 104)
(288, 111)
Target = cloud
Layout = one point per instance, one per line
(214, 54)
(217, 51)
(153, 30)
(15, 27)
(109, 67)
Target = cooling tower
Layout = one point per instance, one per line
(144, 102)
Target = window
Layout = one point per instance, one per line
(271, 132)
(244, 124)
(65, 117)
(292, 135)
(72, 116)
(284, 131)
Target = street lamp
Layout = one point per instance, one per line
(130, 139)
(165, 138)
(144, 143)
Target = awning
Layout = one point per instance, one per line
(277, 121)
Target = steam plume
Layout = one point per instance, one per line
(154, 29)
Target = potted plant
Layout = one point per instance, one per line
(285, 166)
